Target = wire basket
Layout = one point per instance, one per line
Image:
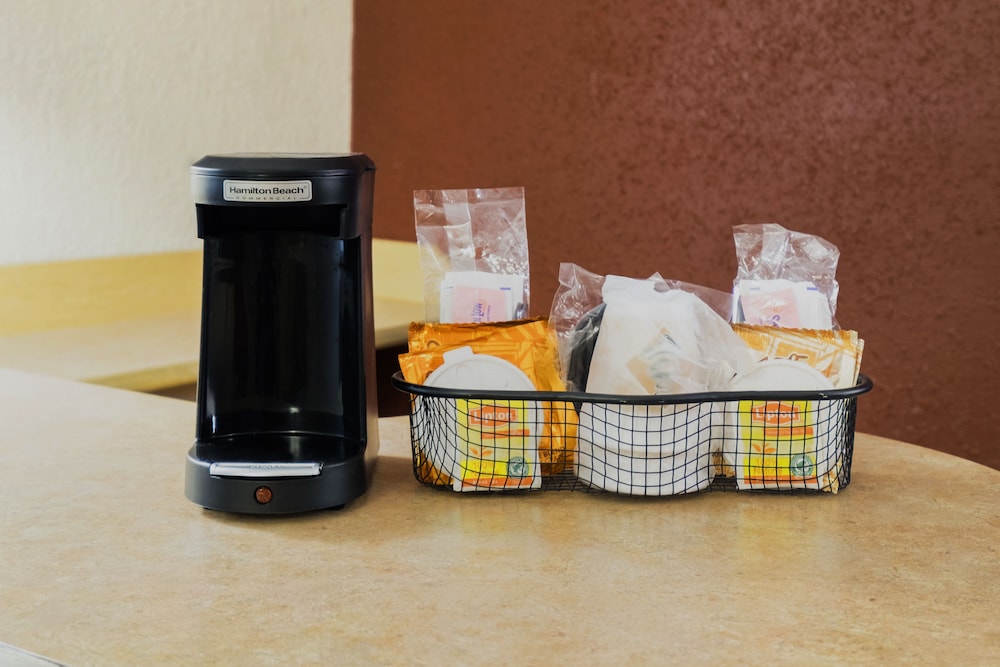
(633, 445)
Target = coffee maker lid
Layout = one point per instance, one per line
(276, 178)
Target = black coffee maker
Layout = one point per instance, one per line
(287, 408)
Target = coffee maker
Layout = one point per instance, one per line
(287, 417)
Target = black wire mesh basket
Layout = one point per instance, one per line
(633, 445)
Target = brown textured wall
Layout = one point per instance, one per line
(644, 130)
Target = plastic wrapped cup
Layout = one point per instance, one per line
(483, 444)
(645, 450)
(780, 443)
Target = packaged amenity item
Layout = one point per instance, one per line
(784, 278)
(654, 339)
(782, 303)
(476, 297)
(575, 318)
(578, 309)
(474, 254)
(579, 348)
(781, 443)
(645, 450)
(836, 354)
(430, 336)
(495, 442)
(785, 299)
(529, 346)
(659, 340)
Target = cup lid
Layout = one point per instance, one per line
(782, 375)
(462, 369)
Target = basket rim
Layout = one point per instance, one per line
(863, 386)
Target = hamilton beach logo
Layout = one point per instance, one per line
(267, 191)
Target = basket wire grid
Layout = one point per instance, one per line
(633, 445)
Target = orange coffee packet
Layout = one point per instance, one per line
(423, 336)
(836, 353)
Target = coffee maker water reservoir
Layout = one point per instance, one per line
(287, 416)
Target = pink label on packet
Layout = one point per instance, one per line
(775, 309)
(478, 304)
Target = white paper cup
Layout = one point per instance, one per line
(780, 444)
(444, 444)
(645, 450)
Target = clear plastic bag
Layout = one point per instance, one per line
(578, 309)
(474, 254)
(575, 317)
(784, 278)
(656, 339)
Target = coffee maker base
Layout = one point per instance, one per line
(274, 488)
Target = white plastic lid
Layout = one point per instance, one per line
(464, 370)
(782, 375)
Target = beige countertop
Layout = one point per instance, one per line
(104, 562)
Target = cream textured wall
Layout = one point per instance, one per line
(105, 104)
